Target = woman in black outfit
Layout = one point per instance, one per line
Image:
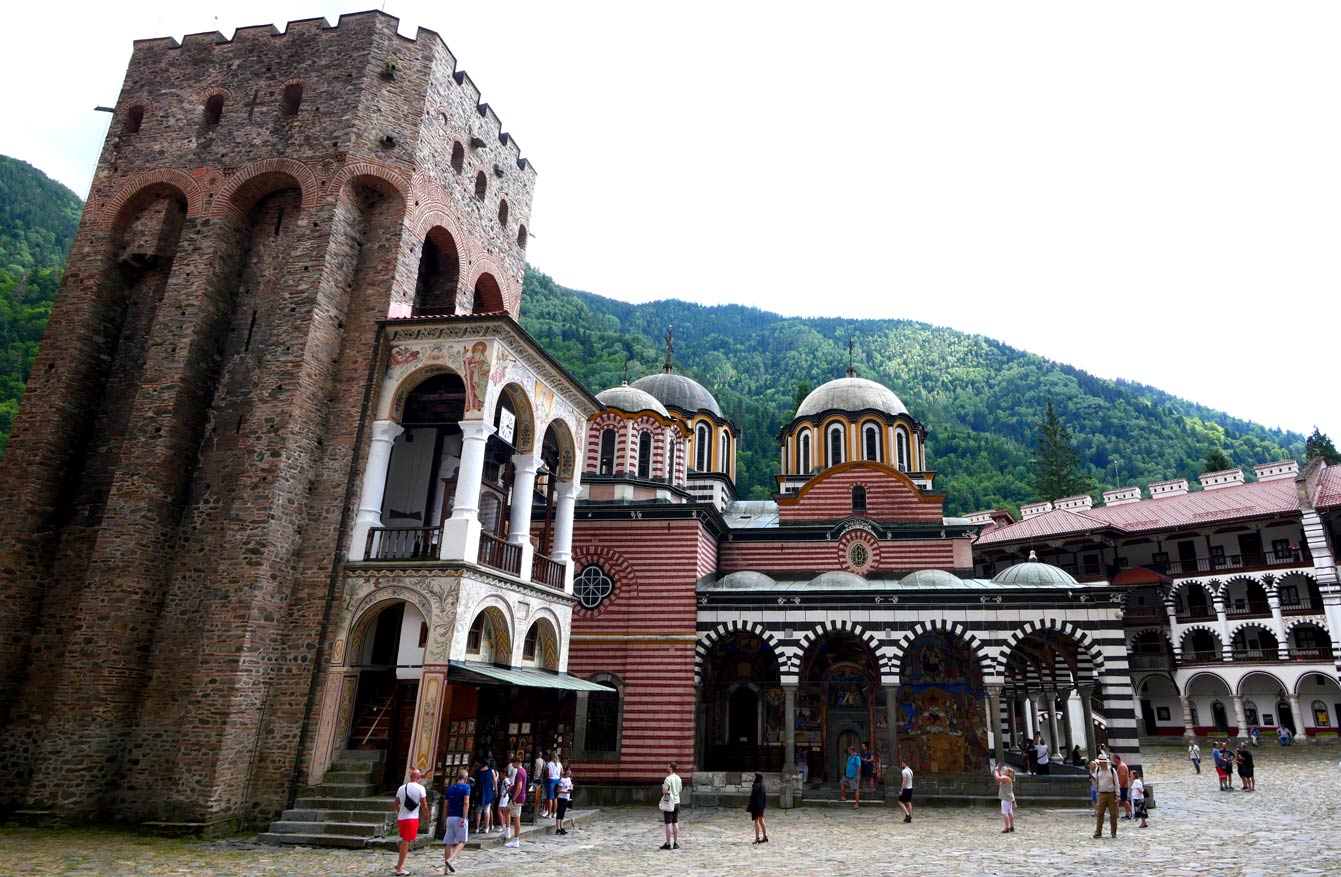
(756, 807)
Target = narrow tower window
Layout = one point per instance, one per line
(901, 445)
(502, 211)
(702, 447)
(835, 444)
(871, 441)
(607, 461)
(645, 455)
(803, 461)
(458, 157)
(214, 105)
(134, 118)
(291, 99)
(858, 498)
(521, 236)
(481, 185)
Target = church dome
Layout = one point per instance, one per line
(851, 394)
(932, 578)
(746, 581)
(631, 399)
(679, 391)
(1033, 573)
(836, 579)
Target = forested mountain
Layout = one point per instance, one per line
(38, 218)
(982, 401)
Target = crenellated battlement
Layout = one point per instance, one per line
(368, 28)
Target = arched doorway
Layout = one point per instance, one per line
(839, 700)
(390, 656)
(1319, 698)
(941, 719)
(1205, 691)
(743, 700)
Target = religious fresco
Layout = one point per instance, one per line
(940, 713)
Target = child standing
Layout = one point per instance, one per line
(758, 799)
(1138, 798)
(565, 793)
(1005, 778)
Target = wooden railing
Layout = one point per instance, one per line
(1200, 658)
(1260, 609)
(1150, 661)
(547, 572)
(1300, 607)
(403, 543)
(1311, 653)
(500, 554)
(1256, 560)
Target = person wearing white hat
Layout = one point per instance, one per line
(1106, 783)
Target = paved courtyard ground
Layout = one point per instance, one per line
(1290, 826)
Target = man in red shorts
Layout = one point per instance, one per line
(408, 799)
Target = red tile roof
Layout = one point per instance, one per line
(1257, 499)
(1329, 489)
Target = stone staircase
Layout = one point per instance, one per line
(343, 810)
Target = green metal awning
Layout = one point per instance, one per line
(476, 673)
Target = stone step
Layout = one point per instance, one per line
(372, 814)
(313, 840)
(344, 790)
(365, 756)
(353, 776)
(343, 802)
(343, 829)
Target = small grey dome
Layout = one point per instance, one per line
(837, 580)
(631, 399)
(932, 578)
(851, 394)
(677, 390)
(746, 580)
(1032, 572)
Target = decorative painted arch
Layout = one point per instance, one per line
(391, 406)
(830, 626)
(1212, 587)
(503, 608)
(371, 606)
(524, 438)
(185, 185)
(547, 617)
(1182, 640)
(1090, 670)
(618, 568)
(563, 436)
(379, 175)
(1318, 622)
(1207, 674)
(893, 656)
(249, 183)
(1261, 625)
(1162, 631)
(479, 266)
(709, 639)
(422, 219)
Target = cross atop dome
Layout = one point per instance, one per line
(851, 369)
(667, 367)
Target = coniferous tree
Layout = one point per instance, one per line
(1319, 444)
(1056, 464)
(1216, 461)
(802, 390)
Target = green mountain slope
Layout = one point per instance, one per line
(38, 219)
(982, 401)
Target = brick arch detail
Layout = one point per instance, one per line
(434, 214)
(371, 606)
(482, 264)
(707, 640)
(942, 626)
(1318, 622)
(1257, 623)
(180, 180)
(829, 626)
(1053, 625)
(353, 170)
(212, 90)
(1212, 587)
(616, 565)
(233, 193)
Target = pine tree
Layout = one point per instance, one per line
(1320, 445)
(1056, 465)
(1216, 461)
(802, 390)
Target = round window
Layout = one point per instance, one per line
(858, 555)
(592, 586)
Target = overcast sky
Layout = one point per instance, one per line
(1144, 190)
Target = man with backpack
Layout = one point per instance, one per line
(1106, 784)
(408, 799)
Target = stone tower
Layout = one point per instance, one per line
(178, 493)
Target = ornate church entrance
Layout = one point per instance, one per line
(839, 703)
(941, 717)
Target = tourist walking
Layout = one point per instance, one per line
(1106, 785)
(1041, 756)
(1138, 797)
(671, 787)
(486, 787)
(454, 830)
(1244, 761)
(538, 771)
(565, 797)
(1005, 788)
(851, 777)
(1124, 785)
(408, 799)
(867, 766)
(758, 800)
(906, 790)
(505, 781)
(553, 773)
(517, 797)
(1194, 753)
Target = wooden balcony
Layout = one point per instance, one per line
(1194, 658)
(1238, 562)
(1249, 610)
(1300, 607)
(1312, 653)
(547, 572)
(1150, 661)
(403, 543)
(500, 554)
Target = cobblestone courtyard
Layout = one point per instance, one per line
(1289, 826)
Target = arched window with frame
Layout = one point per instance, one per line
(601, 732)
(606, 464)
(481, 186)
(214, 106)
(702, 447)
(291, 99)
(458, 157)
(870, 441)
(901, 448)
(858, 498)
(645, 455)
(724, 460)
(835, 436)
(803, 453)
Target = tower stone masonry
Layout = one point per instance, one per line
(180, 478)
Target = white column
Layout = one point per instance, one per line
(1222, 621)
(1171, 608)
(384, 433)
(461, 532)
(1298, 718)
(1087, 710)
(524, 467)
(1189, 729)
(1277, 624)
(1239, 717)
(562, 552)
(1331, 607)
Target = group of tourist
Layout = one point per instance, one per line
(1115, 787)
(494, 793)
(1227, 763)
(859, 772)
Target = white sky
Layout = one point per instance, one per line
(1146, 190)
